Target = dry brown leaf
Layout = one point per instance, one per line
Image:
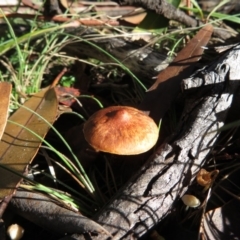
(5, 91)
(167, 85)
(135, 17)
(19, 146)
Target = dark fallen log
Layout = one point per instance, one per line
(145, 62)
(49, 214)
(149, 195)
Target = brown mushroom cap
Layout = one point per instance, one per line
(205, 178)
(121, 130)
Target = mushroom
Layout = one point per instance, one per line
(205, 178)
(121, 130)
(15, 232)
(190, 201)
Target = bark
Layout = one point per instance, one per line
(149, 195)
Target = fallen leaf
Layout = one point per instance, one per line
(154, 22)
(19, 146)
(167, 85)
(64, 95)
(135, 17)
(5, 92)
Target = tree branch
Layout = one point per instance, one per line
(169, 11)
(149, 195)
